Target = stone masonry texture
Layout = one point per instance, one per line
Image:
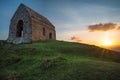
(27, 26)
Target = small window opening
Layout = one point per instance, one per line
(44, 31)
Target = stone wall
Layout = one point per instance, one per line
(20, 14)
(31, 28)
(37, 30)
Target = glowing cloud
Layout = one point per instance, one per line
(102, 27)
(76, 38)
(118, 28)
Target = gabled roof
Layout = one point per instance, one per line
(37, 16)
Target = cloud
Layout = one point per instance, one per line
(102, 27)
(118, 28)
(76, 38)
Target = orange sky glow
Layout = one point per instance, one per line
(104, 39)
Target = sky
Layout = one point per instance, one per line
(75, 20)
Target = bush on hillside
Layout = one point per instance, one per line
(51, 63)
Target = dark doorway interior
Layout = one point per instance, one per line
(50, 35)
(19, 30)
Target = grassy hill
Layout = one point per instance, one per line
(57, 60)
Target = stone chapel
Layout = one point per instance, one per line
(27, 26)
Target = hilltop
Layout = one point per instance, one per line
(58, 60)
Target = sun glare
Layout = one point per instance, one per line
(107, 40)
(107, 43)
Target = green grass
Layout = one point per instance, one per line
(57, 60)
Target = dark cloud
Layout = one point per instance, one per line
(76, 38)
(102, 27)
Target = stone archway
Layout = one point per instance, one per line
(19, 29)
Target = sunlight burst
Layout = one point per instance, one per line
(107, 42)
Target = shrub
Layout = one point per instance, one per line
(12, 59)
(10, 75)
(50, 63)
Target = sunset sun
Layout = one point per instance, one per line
(107, 40)
(107, 43)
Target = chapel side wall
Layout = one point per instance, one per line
(37, 30)
(50, 29)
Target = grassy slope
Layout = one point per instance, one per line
(55, 60)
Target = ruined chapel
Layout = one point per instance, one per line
(27, 26)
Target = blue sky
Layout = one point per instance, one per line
(70, 17)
